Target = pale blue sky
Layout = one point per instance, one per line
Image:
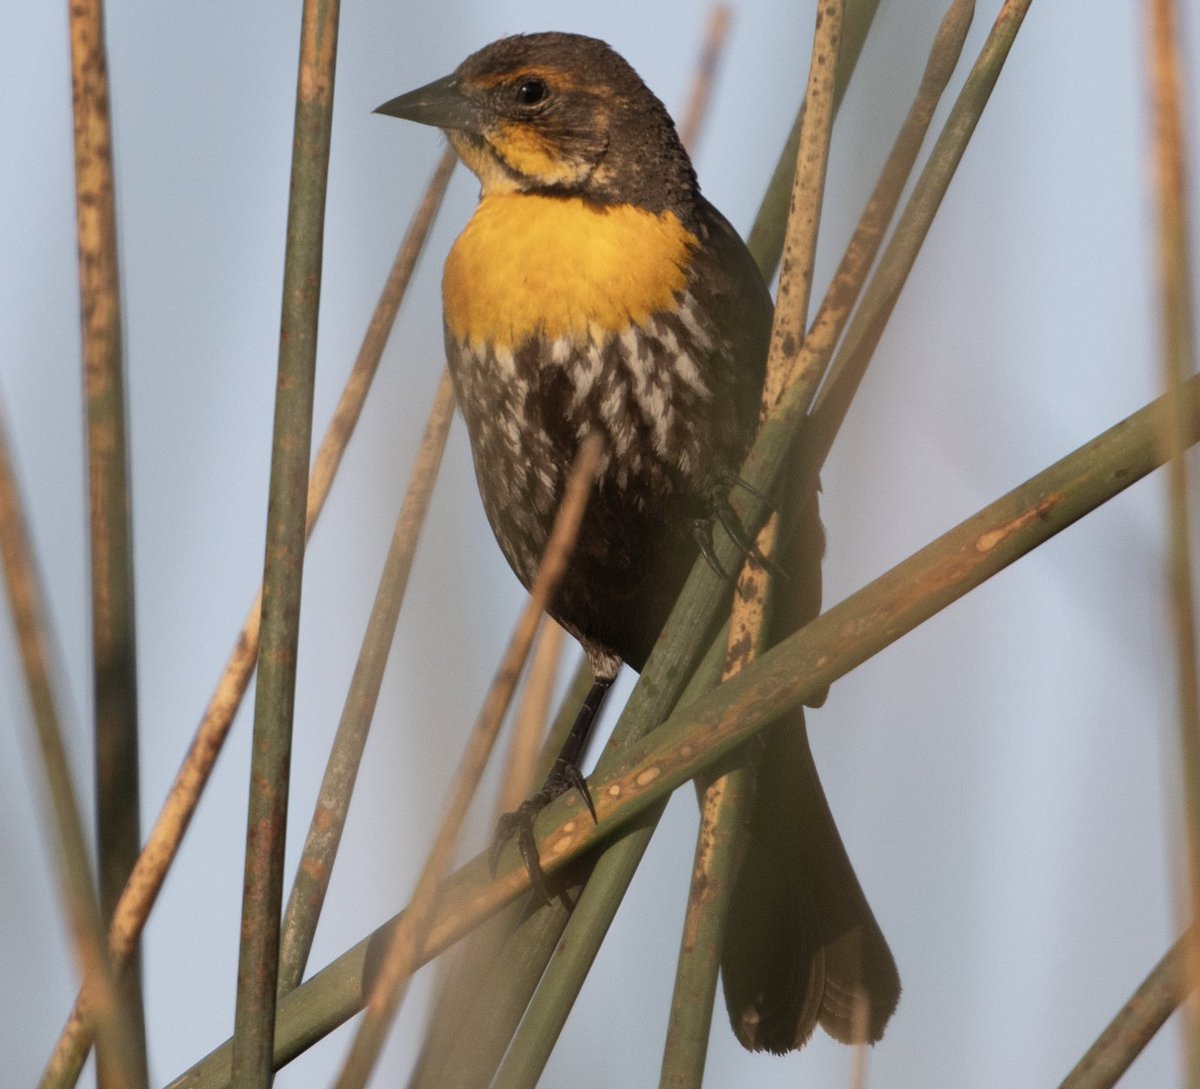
(1003, 776)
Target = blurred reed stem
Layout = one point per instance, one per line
(401, 957)
(121, 1059)
(315, 867)
(1122, 1041)
(530, 721)
(114, 656)
(692, 738)
(266, 826)
(1178, 354)
(711, 51)
(489, 985)
(503, 993)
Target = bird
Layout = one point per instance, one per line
(595, 290)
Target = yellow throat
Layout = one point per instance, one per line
(530, 265)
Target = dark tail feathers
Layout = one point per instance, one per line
(801, 942)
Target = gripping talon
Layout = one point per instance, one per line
(575, 780)
(519, 825)
(702, 531)
(527, 845)
(732, 525)
(506, 827)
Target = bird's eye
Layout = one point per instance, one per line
(531, 91)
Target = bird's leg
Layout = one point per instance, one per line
(564, 776)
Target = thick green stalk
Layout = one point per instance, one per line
(258, 962)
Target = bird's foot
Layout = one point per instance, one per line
(724, 513)
(732, 525)
(519, 823)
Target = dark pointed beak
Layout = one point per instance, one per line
(440, 103)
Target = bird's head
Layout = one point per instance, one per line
(557, 113)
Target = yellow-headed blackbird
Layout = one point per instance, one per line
(595, 290)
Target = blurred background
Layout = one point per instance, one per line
(1004, 777)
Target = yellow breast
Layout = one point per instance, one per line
(557, 267)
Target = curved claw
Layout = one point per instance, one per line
(574, 780)
(527, 845)
(506, 827)
(702, 531)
